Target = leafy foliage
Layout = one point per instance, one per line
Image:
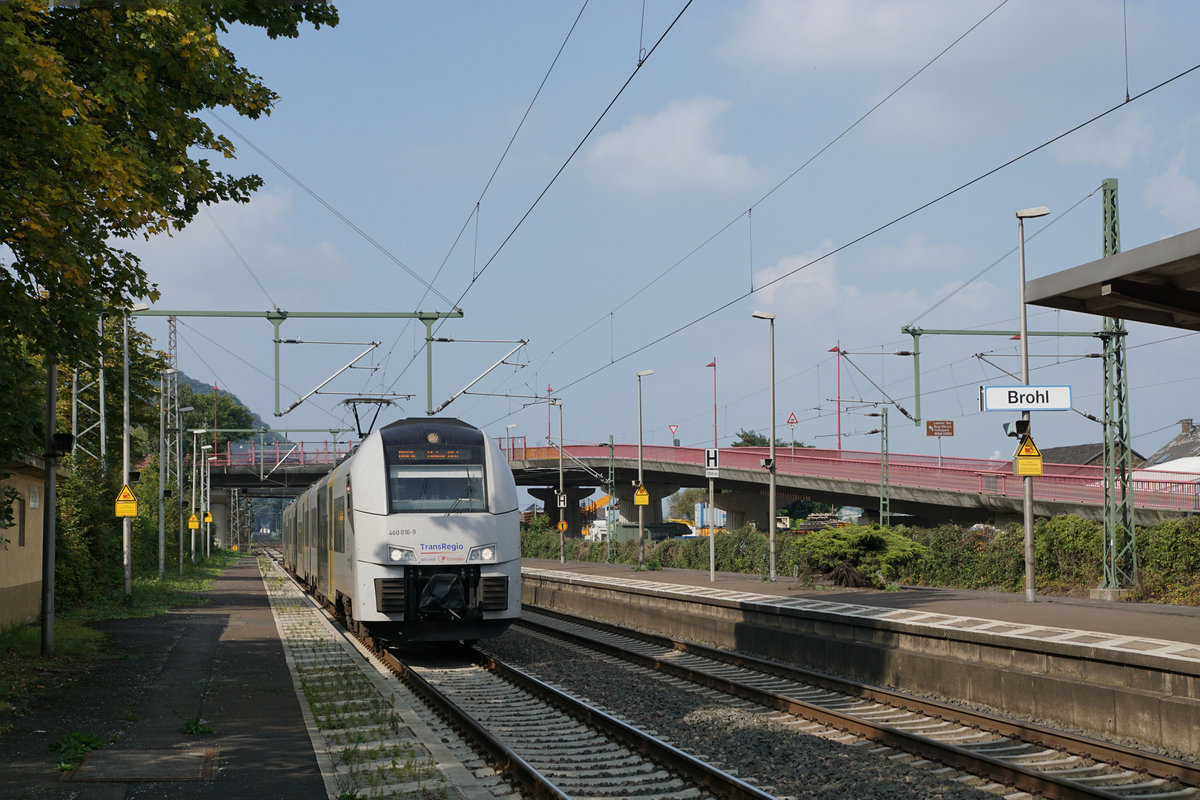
(1067, 549)
(101, 141)
(682, 504)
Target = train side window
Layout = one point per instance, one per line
(323, 518)
(339, 525)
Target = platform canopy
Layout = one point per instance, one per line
(1157, 283)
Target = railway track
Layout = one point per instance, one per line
(543, 741)
(551, 744)
(1032, 758)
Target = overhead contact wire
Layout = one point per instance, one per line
(883, 227)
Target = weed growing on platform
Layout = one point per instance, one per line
(72, 747)
(194, 726)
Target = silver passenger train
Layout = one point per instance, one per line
(415, 537)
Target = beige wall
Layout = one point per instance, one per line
(21, 556)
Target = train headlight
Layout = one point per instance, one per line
(485, 552)
(399, 555)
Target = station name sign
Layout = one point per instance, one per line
(1024, 398)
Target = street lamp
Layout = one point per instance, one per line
(508, 435)
(203, 487)
(712, 536)
(162, 469)
(770, 463)
(1022, 215)
(562, 494)
(208, 506)
(127, 522)
(885, 489)
(178, 429)
(641, 488)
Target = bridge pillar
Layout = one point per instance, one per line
(742, 508)
(572, 513)
(657, 491)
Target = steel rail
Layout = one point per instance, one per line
(503, 758)
(1023, 778)
(698, 772)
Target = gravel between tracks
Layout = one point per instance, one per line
(760, 747)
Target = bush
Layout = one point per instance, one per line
(878, 555)
(1068, 552)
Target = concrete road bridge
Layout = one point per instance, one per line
(928, 489)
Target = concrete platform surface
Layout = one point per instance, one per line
(218, 668)
(1067, 616)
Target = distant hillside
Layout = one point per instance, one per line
(206, 388)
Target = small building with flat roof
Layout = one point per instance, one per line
(21, 559)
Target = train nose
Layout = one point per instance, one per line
(443, 596)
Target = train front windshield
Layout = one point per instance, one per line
(434, 478)
(433, 489)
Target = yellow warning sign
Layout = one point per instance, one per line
(126, 505)
(208, 516)
(193, 522)
(641, 497)
(562, 525)
(1027, 461)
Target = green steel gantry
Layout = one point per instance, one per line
(1120, 552)
(277, 317)
(1120, 555)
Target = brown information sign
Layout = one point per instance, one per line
(939, 427)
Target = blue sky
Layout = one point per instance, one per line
(641, 254)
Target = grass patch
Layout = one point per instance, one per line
(152, 596)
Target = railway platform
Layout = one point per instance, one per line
(1119, 620)
(196, 704)
(1117, 670)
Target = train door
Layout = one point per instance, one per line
(323, 540)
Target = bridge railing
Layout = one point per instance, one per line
(270, 454)
(1064, 483)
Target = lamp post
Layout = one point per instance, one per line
(641, 508)
(508, 435)
(1022, 215)
(562, 493)
(712, 515)
(179, 469)
(770, 464)
(126, 522)
(885, 489)
(203, 489)
(162, 469)
(208, 506)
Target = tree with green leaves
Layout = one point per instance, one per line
(228, 411)
(682, 504)
(102, 141)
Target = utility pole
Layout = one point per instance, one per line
(1120, 553)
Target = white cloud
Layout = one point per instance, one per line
(876, 296)
(673, 150)
(854, 34)
(197, 267)
(915, 253)
(1113, 145)
(1175, 195)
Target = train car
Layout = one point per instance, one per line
(415, 537)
